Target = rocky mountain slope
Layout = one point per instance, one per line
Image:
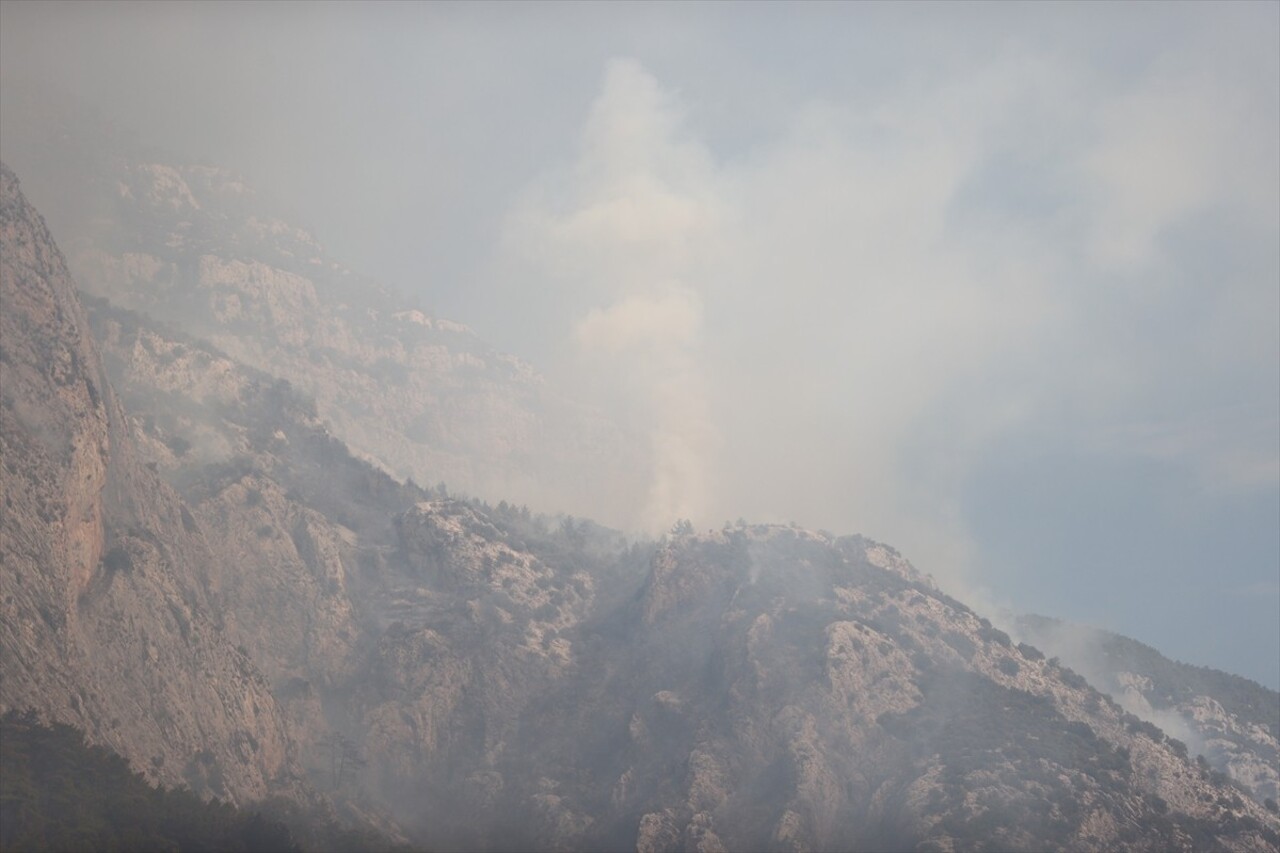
(759, 688)
(197, 247)
(304, 529)
(1231, 721)
(106, 622)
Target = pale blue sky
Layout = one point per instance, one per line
(998, 284)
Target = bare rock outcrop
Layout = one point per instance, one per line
(105, 620)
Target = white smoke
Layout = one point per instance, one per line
(624, 233)
(832, 324)
(1082, 648)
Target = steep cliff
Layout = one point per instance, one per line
(299, 527)
(105, 616)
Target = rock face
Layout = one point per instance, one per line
(105, 617)
(300, 529)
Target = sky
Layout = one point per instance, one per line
(998, 284)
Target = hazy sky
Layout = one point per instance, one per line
(998, 284)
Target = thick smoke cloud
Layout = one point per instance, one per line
(625, 231)
(835, 326)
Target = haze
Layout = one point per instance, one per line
(997, 284)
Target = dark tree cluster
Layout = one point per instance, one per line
(58, 793)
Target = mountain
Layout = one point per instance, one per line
(195, 246)
(1232, 721)
(200, 573)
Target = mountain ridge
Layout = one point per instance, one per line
(96, 600)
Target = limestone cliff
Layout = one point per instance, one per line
(105, 620)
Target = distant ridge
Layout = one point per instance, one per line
(1233, 721)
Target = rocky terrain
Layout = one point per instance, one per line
(106, 620)
(202, 574)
